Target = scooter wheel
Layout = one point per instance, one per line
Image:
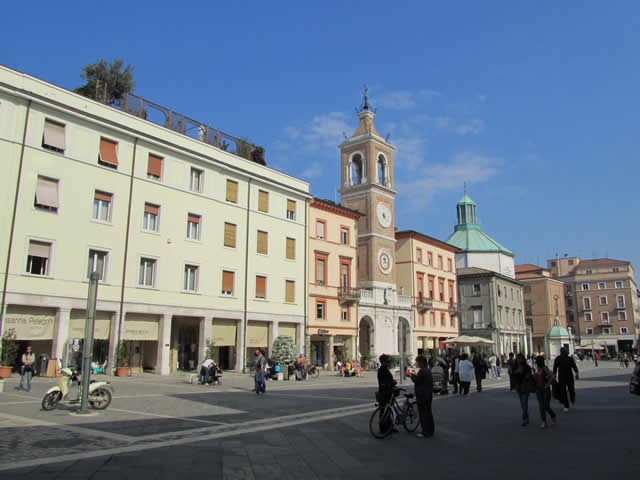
(100, 399)
(51, 400)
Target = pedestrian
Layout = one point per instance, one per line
(511, 363)
(498, 365)
(455, 375)
(479, 367)
(621, 359)
(204, 371)
(625, 358)
(493, 363)
(465, 370)
(261, 386)
(386, 385)
(26, 368)
(596, 357)
(544, 380)
(524, 384)
(564, 366)
(423, 381)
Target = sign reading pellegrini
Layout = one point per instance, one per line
(31, 323)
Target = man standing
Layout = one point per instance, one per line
(386, 384)
(261, 386)
(596, 357)
(423, 381)
(479, 367)
(564, 366)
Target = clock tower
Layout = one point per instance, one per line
(367, 186)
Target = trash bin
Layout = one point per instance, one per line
(41, 365)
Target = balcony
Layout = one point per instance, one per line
(348, 295)
(453, 309)
(423, 304)
(620, 307)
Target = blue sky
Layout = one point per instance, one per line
(534, 104)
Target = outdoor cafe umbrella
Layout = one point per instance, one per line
(469, 340)
(591, 346)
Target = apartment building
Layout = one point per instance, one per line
(600, 297)
(332, 326)
(194, 244)
(426, 271)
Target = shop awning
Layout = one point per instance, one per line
(257, 334)
(287, 330)
(101, 329)
(30, 323)
(138, 326)
(224, 333)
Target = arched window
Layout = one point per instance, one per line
(383, 170)
(357, 169)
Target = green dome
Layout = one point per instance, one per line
(471, 239)
(557, 331)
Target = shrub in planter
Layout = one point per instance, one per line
(9, 353)
(122, 358)
(283, 350)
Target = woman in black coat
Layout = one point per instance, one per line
(424, 396)
(524, 384)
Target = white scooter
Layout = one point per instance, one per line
(68, 391)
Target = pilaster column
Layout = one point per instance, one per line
(303, 342)
(206, 334)
(307, 344)
(113, 340)
(330, 359)
(274, 335)
(164, 345)
(354, 353)
(240, 348)
(61, 332)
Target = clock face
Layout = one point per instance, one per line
(385, 261)
(383, 212)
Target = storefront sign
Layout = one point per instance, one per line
(224, 333)
(322, 331)
(257, 334)
(139, 326)
(101, 329)
(31, 323)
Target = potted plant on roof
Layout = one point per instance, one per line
(122, 359)
(9, 353)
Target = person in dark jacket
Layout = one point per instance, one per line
(479, 369)
(564, 366)
(522, 381)
(424, 396)
(511, 365)
(386, 384)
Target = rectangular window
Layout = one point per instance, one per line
(147, 272)
(476, 290)
(345, 280)
(97, 263)
(261, 287)
(345, 314)
(420, 284)
(191, 278)
(196, 180)
(589, 331)
(227, 282)
(616, 269)
(108, 154)
(432, 319)
(449, 265)
(263, 242)
(618, 284)
(38, 258)
(452, 322)
(602, 285)
(154, 167)
(320, 271)
(430, 287)
(344, 236)
(624, 330)
(587, 303)
(263, 201)
(440, 262)
(291, 210)
(443, 321)
(603, 300)
(419, 255)
(53, 136)
(229, 235)
(429, 259)
(477, 317)
(291, 248)
(622, 315)
(620, 301)
(320, 313)
(46, 194)
(604, 316)
(150, 220)
(232, 191)
(320, 227)
(585, 286)
(102, 206)
(193, 226)
(588, 317)
(451, 297)
(606, 331)
(289, 291)
(441, 289)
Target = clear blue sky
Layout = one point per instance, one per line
(534, 104)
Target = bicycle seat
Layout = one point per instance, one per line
(408, 395)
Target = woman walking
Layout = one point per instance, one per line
(544, 379)
(26, 369)
(424, 396)
(522, 381)
(465, 370)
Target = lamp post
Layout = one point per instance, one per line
(87, 350)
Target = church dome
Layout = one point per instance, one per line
(557, 331)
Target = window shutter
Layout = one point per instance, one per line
(155, 165)
(291, 205)
(232, 191)
(53, 135)
(320, 271)
(229, 235)
(153, 209)
(108, 152)
(227, 281)
(261, 287)
(289, 291)
(39, 249)
(263, 201)
(320, 230)
(262, 242)
(47, 192)
(107, 197)
(194, 218)
(291, 248)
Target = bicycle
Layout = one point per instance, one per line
(385, 417)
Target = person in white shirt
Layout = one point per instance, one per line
(204, 371)
(493, 363)
(465, 368)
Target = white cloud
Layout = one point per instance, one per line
(292, 132)
(482, 98)
(400, 100)
(474, 126)
(315, 170)
(326, 130)
(429, 93)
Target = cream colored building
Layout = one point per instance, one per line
(194, 244)
(333, 301)
(426, 269)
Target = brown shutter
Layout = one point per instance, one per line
(229, 235)
(103, 196)
(289, 290)
(155, 165)
(263, 201)
(227, 281)
(194, 218)
(291, 248)
(320, 271)
(53, 135)
(39, 249)
(47, 192)
(291, 205)
(232, 191)
(153, 209)
(108, 152)
(261, 287)
(262, 242)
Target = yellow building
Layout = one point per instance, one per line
(332, 326)
(426, 270)
(194, 244)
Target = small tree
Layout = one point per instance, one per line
(9, 348)
(284, 350)
(122, 354)
(243, 148)
(107, 82)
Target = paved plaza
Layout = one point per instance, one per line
(160, 427)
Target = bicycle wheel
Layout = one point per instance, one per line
(411, 418)
(381, 422)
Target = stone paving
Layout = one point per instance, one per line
(160, 428)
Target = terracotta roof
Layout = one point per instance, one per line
(426, 239)
(528, 267)
(335, 208)
(601, 261)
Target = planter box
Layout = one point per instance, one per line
(5, 372)
(280, 376)
(122, 371)
(1, 385)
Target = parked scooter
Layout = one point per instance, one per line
(69, 390)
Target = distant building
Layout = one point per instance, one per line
(601, 300)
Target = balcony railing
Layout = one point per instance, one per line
(348, 295)
(453, 309)
(423, 303)
(620, 307)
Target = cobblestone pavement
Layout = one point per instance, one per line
(161, 428)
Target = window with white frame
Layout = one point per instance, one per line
(191, 278)
(193, 226)
(345, 314)
(228, 279)
(589, 331)
(618, 284)
(38, 258)
(53, 136)
(624, 330)
(196, 178)
(419, 255)
(476, 289)
(150, 220)
(344, 236)
(604, 300)
(587, 303)
(97, 263)
(604, 316)
(320, 313)
(147, 272)
(585, 286)
(588, 316)
(620, 301)
(622, 315)
(291, 209)
(477, 317)
(102, 202)
(46, 197)
(320, 230)
(616, 269)
(602, 285)
(606, 331)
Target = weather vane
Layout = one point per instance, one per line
(365, 106)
